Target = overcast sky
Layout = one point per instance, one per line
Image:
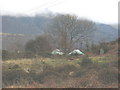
(104, 11)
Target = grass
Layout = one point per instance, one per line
(61, 72)
(26, 63)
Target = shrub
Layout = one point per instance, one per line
(108, 76)
(29, 54)
(81, 72)
(66, 68)
(5, 55)
(96, 48)
(40, 44)
(13, 76)
(45, 54)
(85, 61)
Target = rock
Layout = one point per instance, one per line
(101, 51)
(71, 73)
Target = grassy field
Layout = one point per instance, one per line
(81, 72)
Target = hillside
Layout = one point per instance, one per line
(14, 42)
(24, 25)
(105, 33)
(25, 28)
(36, 25)
(117, 26)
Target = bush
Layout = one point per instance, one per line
(13, 76)
(5, 55)
(40, 44)
(96, 48)
(45, 54)
(40, 72)
(86, 61)
(66, 68)
(81, 72)
(29, 55)
(108, 76)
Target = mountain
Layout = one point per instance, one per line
(14, 42)
(105, 33)
(24, 25)
(117, 26)
(22, 29)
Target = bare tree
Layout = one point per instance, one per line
(67, 30)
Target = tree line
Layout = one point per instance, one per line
(66, 32)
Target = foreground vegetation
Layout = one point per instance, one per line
(72, 72)
(92, 70)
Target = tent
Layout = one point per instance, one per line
(76, 52)
(57, 52)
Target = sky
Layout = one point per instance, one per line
(103, 11)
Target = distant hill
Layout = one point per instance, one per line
(105, 33)
(22, 29)
(14, 42)
(24, 25)
(117, 26)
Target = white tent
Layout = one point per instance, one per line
(57, 52)
(76, 52)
